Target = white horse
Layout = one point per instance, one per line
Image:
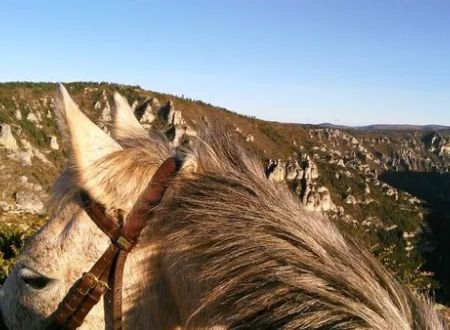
(226, 248)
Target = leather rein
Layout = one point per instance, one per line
(107, 272)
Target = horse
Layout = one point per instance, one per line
(225, 248)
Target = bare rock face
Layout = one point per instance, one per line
(320, 200)
(7, 139)
(106, 113)
(178, 119)
(147, 117)
(105, 118)
(32, 117)
(28, 185)
(279, 171)
(350, 200)
(190, 131)
(54, 143)
(367, 189)
(145, 112)
(250, 138)
(445, 149)
(437, 144)
(134, 105)
(166, 113)
(311, 172)
(29, 202)
(176, 125)
(25, 156)
(326, 204)
(18, 114)
(293, 172)
(389, 191)
(433, 142)
(97, 105)
(301, 175)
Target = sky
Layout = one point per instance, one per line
(349, 62)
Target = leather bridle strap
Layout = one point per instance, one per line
(89, 289)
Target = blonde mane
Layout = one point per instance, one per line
(272, 264)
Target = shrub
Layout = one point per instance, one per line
(37, 136)
(11, 242)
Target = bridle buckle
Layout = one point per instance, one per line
(124, 244)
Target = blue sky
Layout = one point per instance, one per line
(309, 61)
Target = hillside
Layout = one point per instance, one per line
(381, 127)
(387, 185)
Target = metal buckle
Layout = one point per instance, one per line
(104, 284)
(70, 308)
(103, 287)
(88, 276)
(124, 244)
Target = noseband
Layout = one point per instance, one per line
(107, 272)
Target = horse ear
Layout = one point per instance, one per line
(125, 124)
(87, 143)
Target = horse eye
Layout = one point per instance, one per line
(33, 279)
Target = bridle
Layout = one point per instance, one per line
(107, 272)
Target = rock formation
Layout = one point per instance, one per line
(7, 140)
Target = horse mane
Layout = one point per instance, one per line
(270, 263)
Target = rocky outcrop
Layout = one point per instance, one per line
(437, 144)
(54, 143)
(350, 200)
(301, 176)
(445, 149)
(147, 117)
(389, 191)
(277, 171)
(32, 118)
(416, 151)
(146, 111)
(29, 202)
(27, 197)
(18, 114)
(320, 200)
(105, 117)
(25, 155)
(7, 139)
(176, 126)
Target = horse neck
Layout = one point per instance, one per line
(147, 302)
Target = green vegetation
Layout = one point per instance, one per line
(12, 240)
(271, 133)
(37, 136)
